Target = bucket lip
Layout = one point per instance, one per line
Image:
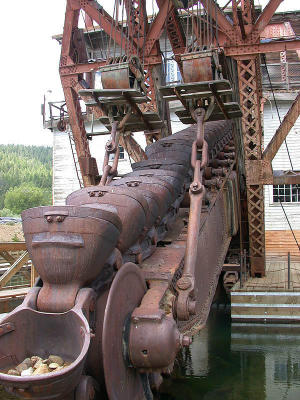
(73, 211)
(112, 190)
(11, 379)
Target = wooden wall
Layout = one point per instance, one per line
(281, 242)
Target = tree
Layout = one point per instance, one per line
(26, 196)
(24, 164)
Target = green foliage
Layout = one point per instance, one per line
(15, 238)
(20, 165)
(26, 196)
(5, 212)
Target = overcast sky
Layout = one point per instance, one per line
(29, 64)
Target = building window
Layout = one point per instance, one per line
(122, 154)
(286, 193)
(172, 72)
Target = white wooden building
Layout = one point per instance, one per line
(279, 238)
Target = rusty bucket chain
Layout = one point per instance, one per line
(185, 306)
(111, 147)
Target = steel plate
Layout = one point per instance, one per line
(128, 288)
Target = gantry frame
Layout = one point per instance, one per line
(240, 39)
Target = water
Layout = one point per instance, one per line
(235, 362)
(238, 362)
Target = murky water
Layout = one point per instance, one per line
(236, 362)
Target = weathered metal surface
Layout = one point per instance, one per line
(126, 293)
(68, 244)
(197, 68)
(81, 246)
(131, 207)
(68, 334)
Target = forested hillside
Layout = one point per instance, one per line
(25, 178)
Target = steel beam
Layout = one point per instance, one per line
(157, 26)
(245, 49)
(174, 29)
(265, 17)
(217, 14)
(250, 94)
(283, 130)
(286, 178)
(104, 20)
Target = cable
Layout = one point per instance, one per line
(264, 56)
(273, 94)
(289, 223)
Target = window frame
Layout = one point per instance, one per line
(285, 194)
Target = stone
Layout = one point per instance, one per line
(35, 359)
(21, 367)
(56, 359)
(42, 369)
(13, 372)
(38, 363)
(27, 372)
(54, 366)
(28, 362)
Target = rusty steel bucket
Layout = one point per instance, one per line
(131, 206)
(68, 246)
(169, 165)
(26, 332)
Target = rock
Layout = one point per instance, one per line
(13, 372)
(42, 369)
(38, 363)
(56, 359)
(21, 367)
(54, 366)
(35, 359)
(28, 362)
(27, 372)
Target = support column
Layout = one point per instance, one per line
(250, 94)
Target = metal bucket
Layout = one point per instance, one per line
(168, 165)
(131, 206)
(26, 332)
(162, 189)
(68, 246)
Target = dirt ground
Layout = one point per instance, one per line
(11, 232)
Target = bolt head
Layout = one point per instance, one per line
(185, 341)
(59, 218)
(184, 283)
(196, 187)
(49, 219)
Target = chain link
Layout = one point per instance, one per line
(111, 147)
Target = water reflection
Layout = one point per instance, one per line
(235, 362)
(238, 362)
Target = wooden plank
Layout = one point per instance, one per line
(266, 298)
(5, 278)
(5, 294)
(282, 242)
(196, 95)
(110, 92)
(193, 87)
(12, 246)
(8, 257)
(263, 311)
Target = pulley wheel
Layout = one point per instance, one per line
(122, 381)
